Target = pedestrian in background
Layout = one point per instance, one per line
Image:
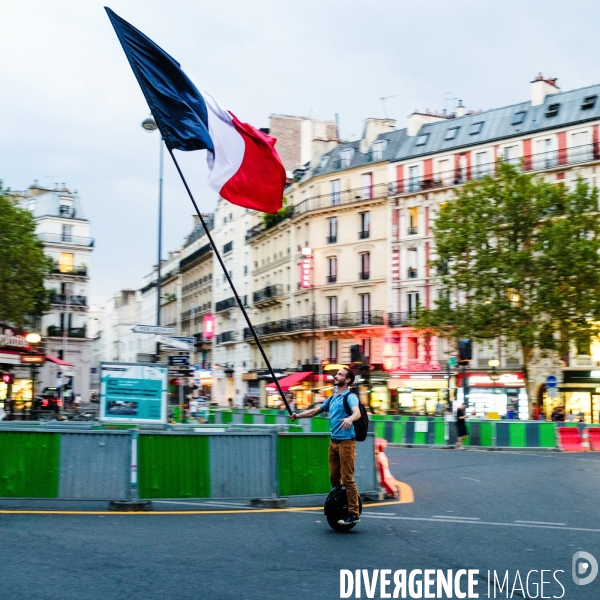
(535, 412)
(193, 407)
(571, 417)
(461, 426)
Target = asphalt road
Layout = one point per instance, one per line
(472, 510)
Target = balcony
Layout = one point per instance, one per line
(363, 275)
(71, 240)
(332, 239)
(225, 304)
(340, 198)
(73, 332)
(228, 247)
(411, 273)
(269, 294)
(364, 235)
(309, 323)
(227, 337)
(68, 299)
(72, 271)
(331, 278)
(413, 230)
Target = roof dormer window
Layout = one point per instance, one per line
(378, 149)
(323, 162)
(589, 102)
(347, 156)
(451, 133)
(422, 139)
(519, 117)
(552, 110)
(476, 128)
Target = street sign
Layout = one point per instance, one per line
(153, 329)
(552, 392)
(36, 359)
(173, 343)
(452, 362)
(179, 360)
(189, 340)
(551, 381)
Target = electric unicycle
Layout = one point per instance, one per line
(336, 508)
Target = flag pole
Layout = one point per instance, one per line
(240, 304)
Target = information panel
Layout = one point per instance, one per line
(133, 392)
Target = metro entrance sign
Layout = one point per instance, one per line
(153, 329)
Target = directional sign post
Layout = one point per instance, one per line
(153, 329)
(173, 343)
(551, 381)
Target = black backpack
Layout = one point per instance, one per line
(361, 426)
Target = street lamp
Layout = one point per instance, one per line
(33, 339)
(149, 124)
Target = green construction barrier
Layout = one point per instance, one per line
(157, 457)
(302, 464)
(439, 433)
(547, 435)
(486, 434)
(29, 464)
(319, 425)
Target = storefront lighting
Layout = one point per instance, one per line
(488, 302)
(421, 377)
(494, 363)
(594, 374)
(33, 338)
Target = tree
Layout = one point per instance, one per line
(23, 266)
(518, 259)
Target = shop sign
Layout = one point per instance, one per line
(423, 367)
(33, 359)
(505, 380)
(305, 268)
(208, 327)
(11, 339)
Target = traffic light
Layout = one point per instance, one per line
(465, 350)
(8, 378)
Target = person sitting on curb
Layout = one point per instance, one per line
(342, 447)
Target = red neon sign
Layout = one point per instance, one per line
(306, 268)
(209, 326)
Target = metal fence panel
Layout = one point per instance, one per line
(365, 470)
(173, 465)
(243, 465)
(29, 464)
(302, 464)
(95, 466)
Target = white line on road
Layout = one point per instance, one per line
(453, 518)
(541, 523)
(210, 504)
(471, 479)
(383, 514)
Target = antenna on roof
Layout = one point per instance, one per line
(383, 103)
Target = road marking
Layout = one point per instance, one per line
(453, 518)
(471, 479)
(213, 504)
(407, 495)
(382, 514)
(540, 523)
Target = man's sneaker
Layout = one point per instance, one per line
(349, 520)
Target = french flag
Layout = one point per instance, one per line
(245, 168)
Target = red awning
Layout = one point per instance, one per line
(58, 361)
(295, 378)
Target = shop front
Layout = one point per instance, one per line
(579, 395)
(301, 385)
(491, 394)
(418, 393)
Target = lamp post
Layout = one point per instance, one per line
(494, 375)
(33, 339)
(150, 125)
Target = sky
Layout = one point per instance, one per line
(71, 109)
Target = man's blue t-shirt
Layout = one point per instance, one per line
(335, 407)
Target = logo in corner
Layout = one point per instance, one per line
(582, 574)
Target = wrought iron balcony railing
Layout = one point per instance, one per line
(225, 304)
(227, 336)
(268, 293)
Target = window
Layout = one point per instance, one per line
(365, 265)
(332, 224)
(481, 164)
(333, 313)
(332, 269)
(245, 269)
(545, 156)
(422, 139)
(365, 309)
(588, 102)
(333, 351)
(365, 348)
(413, 263)
(367, 186)
(413, 348)
(323, 162)
(510, 154)
(347, 156)
(66, 262)
(519, 117)
(451, 133)
(413, 179)
(413, 220)
(552, 110)
(67, 233)
(228, 247)
(476, 128)
(378, 150)
(580, 150)
(413, 302)
(335, 192)
(64, 209)
(365, 225)
(445, 173)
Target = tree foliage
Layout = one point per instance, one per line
(518, 259)
(23, 266)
